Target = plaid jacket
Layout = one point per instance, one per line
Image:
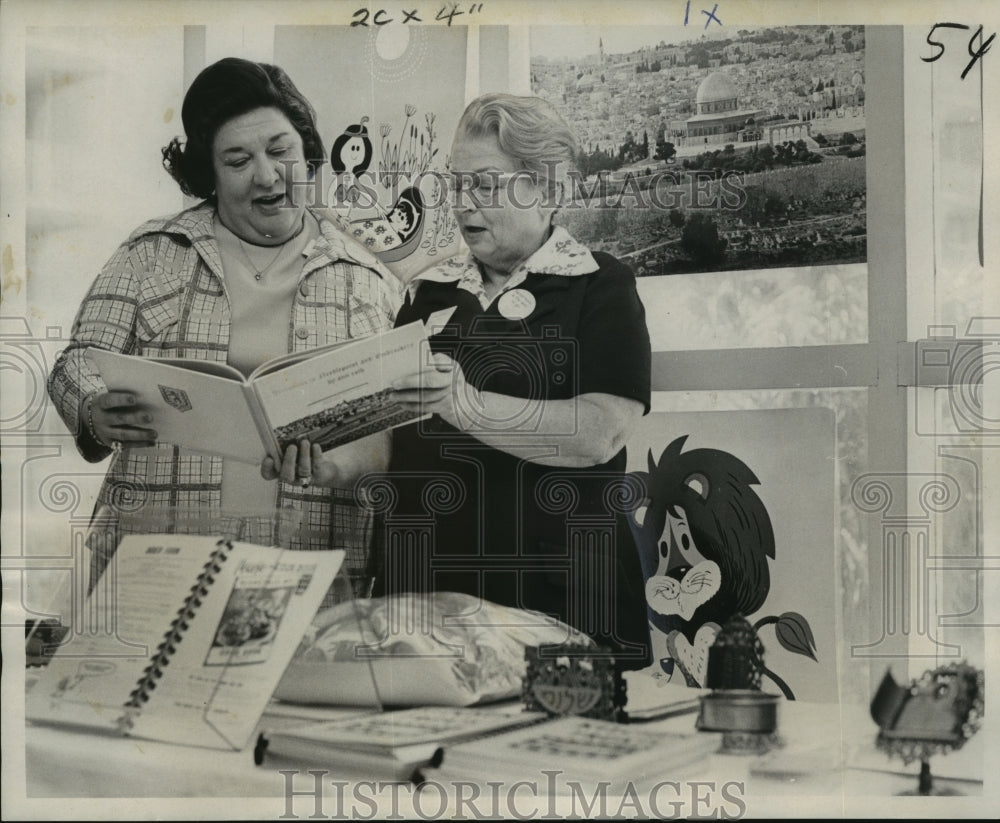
(162, 294)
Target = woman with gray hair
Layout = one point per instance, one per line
(538, 372)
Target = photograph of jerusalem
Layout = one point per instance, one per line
(701, 153)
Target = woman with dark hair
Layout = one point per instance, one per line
(247, 274)
(223, 91)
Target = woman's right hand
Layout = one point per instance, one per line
(305, 463)
(116, 417)
(296, 466)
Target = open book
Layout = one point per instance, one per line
(330, 395)
(183, 639)
(392, 744)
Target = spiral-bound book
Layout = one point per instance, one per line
(183, 639)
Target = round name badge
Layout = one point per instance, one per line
(516, 304)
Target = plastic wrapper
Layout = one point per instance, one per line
(444, 648)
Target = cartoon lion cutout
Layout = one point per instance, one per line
(705, 541)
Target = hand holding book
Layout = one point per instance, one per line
(116, 417)
(330, 396)
(307, 464)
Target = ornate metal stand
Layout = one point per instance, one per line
(746, 716)
(571, 679)
(935, 715)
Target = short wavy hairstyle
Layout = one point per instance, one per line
(528, 129)
(226, 89)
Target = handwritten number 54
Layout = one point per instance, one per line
(975, 55)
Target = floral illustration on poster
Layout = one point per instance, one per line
(387, 122)
(389, 193)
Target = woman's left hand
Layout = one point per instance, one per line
(302, 465)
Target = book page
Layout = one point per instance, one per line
(286, 360)
(218, 682)
(582, 748)
(652, 699)
(396, 743)
(197, 405)
(340, 395)
(125, 618)
(406, 727)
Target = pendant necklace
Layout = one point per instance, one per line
(259, 273)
